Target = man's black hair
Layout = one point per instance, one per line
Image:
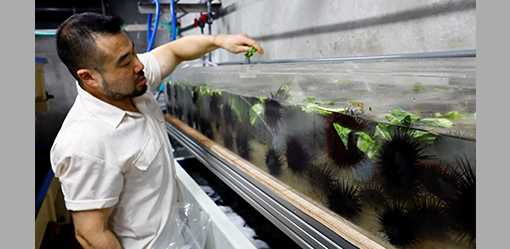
(76, 44)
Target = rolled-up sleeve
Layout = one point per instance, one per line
(151, 69)
(88, 182)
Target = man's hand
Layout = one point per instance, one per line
(91, 227)
(237, 43)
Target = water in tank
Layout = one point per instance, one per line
(387, 145)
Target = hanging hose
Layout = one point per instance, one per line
(173, 18)
(173, 37)
(43, 190)
(151, 33)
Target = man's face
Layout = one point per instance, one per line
(121, 71)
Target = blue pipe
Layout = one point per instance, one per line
(43, 190)
(151, 33)
(173, 17)
(173, 37)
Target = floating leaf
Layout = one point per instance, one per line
(423, 136)
(331, 102)
(342, 132)
(310, 99)
(366, 144)
(392, 120)
(262, 98)
(312, 107)
(206, 91)
(282, 94)
(437, 122)
(406, 121)
(382, 131)
(401, 117)
(449, 115)
(256, 111)
(236, 106)
(418, 87)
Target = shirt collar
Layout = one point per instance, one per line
(104, 111)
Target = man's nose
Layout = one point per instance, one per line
(139, 66)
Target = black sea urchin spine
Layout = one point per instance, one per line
(298, 158)
(228, 139)
(462, 208)
(373, 195)
(214, 107)
(438, 180)
(398, 225)
(228, 116)
(189, 118)
(171, 99)
(397, 162)
(342, 155)
(274, 162)
(272, 113)
(347, 121)
(195, 94)
(343, 198)
(206, 128)
(242, 141)
(322, 176)
(429, 217)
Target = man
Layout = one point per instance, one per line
(112, 152)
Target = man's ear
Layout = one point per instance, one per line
(89, 77)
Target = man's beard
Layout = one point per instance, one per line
(118, 96)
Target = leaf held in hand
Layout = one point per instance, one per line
(250, 52)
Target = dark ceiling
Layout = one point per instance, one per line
(50, 13)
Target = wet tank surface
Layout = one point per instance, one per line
(389, 147)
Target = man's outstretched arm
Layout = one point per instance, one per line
(194, 46)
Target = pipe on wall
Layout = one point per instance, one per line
(151, 32)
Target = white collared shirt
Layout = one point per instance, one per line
(107, 157)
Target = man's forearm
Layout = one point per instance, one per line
(193, 46)
(186, 48)
(99, 240)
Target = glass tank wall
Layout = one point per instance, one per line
(388, 145)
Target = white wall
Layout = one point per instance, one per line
(336, 28)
